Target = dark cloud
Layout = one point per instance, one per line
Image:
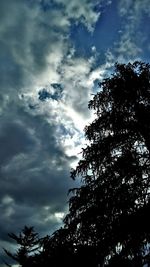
(34, 173)
(14, 139)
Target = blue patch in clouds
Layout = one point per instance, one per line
(106, 31)
(44, 94)
(104, 36)
(81, 39)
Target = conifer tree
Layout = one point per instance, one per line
(28, 242)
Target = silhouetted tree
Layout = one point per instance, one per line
(53, 250)
(28, 242)
(108, 222)
(109, 212)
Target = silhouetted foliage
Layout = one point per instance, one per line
(108, 222)
(115, 167)
(28, 242)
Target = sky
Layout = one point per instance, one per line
(52, 55)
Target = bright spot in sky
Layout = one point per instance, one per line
(59, 215)
(7, 200)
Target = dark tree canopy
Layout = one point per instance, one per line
(107, 210)
(108, 222)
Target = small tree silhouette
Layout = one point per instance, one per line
(28, 242)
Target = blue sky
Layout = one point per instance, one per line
(52, 54)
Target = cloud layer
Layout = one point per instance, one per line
(45, 86)
(39, 139)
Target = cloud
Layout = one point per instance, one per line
(132, 36)
(34, 175)
(75, 74)
(40, 140)
(31, 41)
(84, 12)
(126, 7)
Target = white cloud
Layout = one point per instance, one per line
(70, 114)
(129, 47)
(81, 11)
(33, 43)
(134, 8)
(75, 74)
